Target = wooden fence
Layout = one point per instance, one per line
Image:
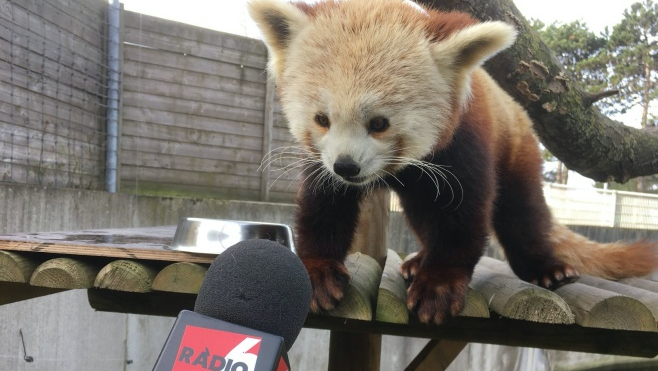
(52, 92)
(198, 114)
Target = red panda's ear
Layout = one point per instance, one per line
(470, 47)
(279, 22)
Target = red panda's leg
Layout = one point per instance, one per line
(453, 242)
(452, 227)
(325, 224)
(522, 221)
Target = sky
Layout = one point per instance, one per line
(231, 16)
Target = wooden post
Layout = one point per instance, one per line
(437, 355)
(371, 235)
(357, 351)
(268, 127)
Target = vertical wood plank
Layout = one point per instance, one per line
(268, 127)
(356, 351)
(372, 229)
(352, 351)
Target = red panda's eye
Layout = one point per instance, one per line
(322, 120)
(378, 124)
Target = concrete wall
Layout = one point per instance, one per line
(31, 208)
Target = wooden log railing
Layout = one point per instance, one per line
(130, 271)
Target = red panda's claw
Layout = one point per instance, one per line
(557, 277)
(436, 296)
(329, 279)
(410, 267)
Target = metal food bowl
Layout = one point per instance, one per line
(213, 236)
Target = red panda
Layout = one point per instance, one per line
(385, 93)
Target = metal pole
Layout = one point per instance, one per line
(113, 86)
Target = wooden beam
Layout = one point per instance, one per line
(11, 292)
(154, 303)
(64, 273)
(16, 267)
(126, 275)
(503, 331)
(641, 283)
(437, 355)
(391, 299)
(596, 307)
(361, 295)
(180, 277)
(466, 329)
(512, 298)
(648, 298)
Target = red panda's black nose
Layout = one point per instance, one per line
(346, 167)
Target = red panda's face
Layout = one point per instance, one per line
(366, 99)
(366, 88)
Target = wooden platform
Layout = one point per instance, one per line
(132, 271)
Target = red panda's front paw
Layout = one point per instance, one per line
(436, 296)
(411, 266)
(329, 279)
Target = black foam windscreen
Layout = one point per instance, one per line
(259, 284)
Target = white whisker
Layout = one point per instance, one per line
(289, 158)
(439, 175)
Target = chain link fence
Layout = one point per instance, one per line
(53, 92)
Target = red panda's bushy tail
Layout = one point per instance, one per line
(614, 261)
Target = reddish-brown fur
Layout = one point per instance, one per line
(441, 25)
(488, 145)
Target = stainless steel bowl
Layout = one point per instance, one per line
(213, 236)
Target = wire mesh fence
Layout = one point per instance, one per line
(53, 92)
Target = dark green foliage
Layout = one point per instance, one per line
(633, 48)
(625, 59)
(649, 184)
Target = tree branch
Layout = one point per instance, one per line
(589, 99)
(573, 130)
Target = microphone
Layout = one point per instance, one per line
(251, 306)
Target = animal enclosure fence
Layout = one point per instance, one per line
(197, 112)
(52, 92)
